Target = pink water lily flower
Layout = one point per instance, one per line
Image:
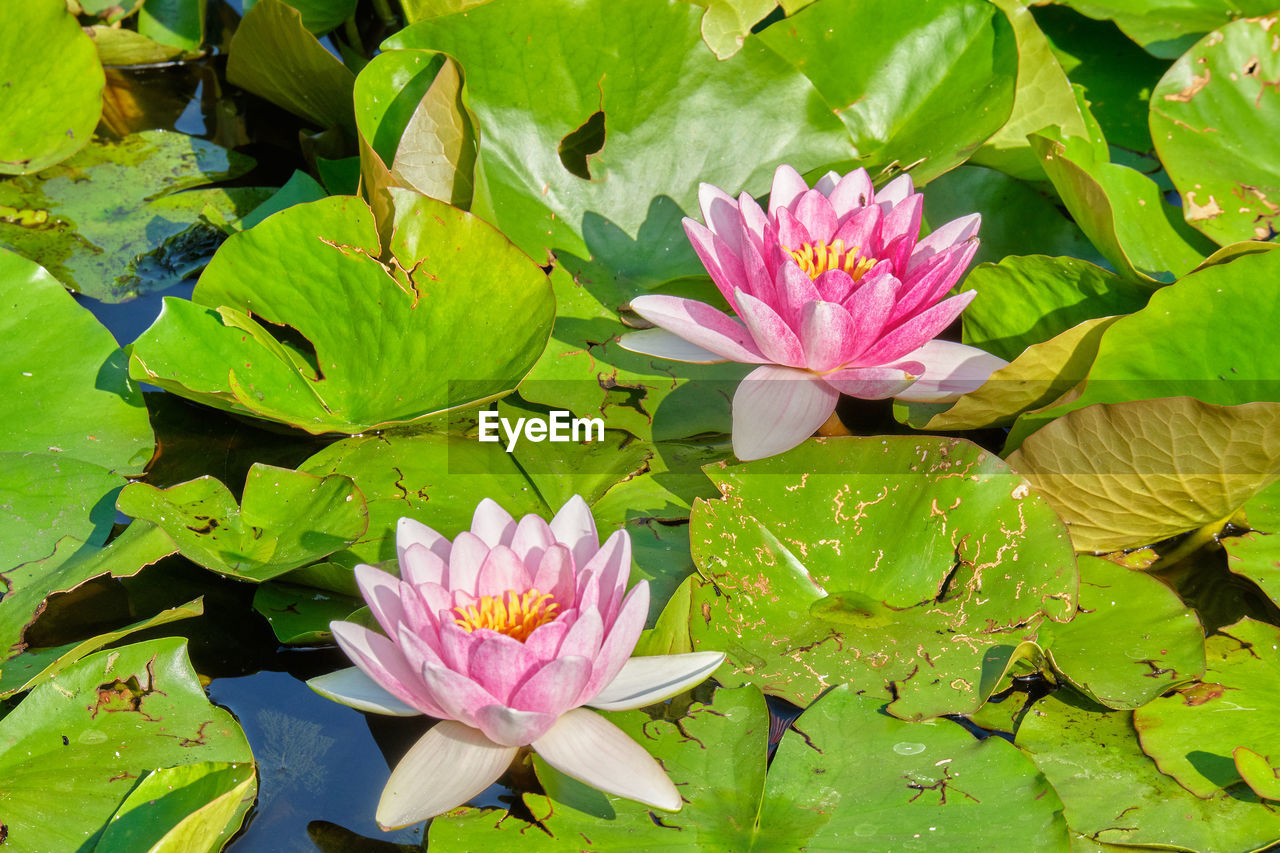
(504, 634)
(835, 294)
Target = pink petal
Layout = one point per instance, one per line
(827, 182)
(584, 745)
(381, 592)
(458, 696)
(792, 233)
(754, 221)
(382, 660)
(501, 571)
(419, 565)
(575, 528)
(720, 213)
(417, 651)
(532, 538)
(555, 575)
(509, 727)
(895, 192)
(897, 250)
(859, 231)
(819, 218)
(663, 344)
(854, 190)
(942, 238)
(834, 285)
(620, 641)
(794, 290)
(759, 279)
(787, 187)
(933, 279)
(455, 645)
(700, 324)
(493, 524)
(448, 765)
(465, 561)
(612, 565)
(903, 221)
(544, 643)
(554, 688)
(950, 370)
(827, 332)
(915, 331)
(584, 636)
(409, 531)
(776, 408)
(418, 615)
(770, 332)
(499, 663)
(870, 306)
(724, 267)
(871, 383)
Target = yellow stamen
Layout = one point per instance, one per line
(819, 258)
(510, 613)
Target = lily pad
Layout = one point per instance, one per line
(1191, 340)
(75, 741)
(1166, 28)
(112, 221)
(318, 16)
(1114, 794)
(274, 56)
(1121, 211)
(286, 519)
(1256, 557)
(1192, 733)
(1210, 118)
(727, 23)
(1258, 772)
(52, 95)
(1131, 641)
(381, 343)
(191, 808)
(1132, 474)
(919, 86)
(847, 771)
(301, 614)
(915, 573)
(1025, 300)
(1037, 377)
(176, 22)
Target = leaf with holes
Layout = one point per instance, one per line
(1132, 474)
(917, 571)
(76, 744)
(1192, 732)
(302, 321)
(1211, 118)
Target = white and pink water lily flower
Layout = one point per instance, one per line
(504, 634)
(835, 294)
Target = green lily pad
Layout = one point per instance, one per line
(1211, 116)
(1025, 300)
(1037, 377)
(301, 614)
(34, 665)
(1191, 340)
(274, 56)
(1131, 641)
(29, 585)
(1132, 474)
(1192, 732)
(286, 519)
(916, 573)
(919, 86)
(727, 23)
(1166, 28)
(44, 497)
(1114, 794)
(1016, 218)
(1121, 211)
(384, 342)
(192, 808)
(1256, 557)
(112, 221)
(52, 95)
(318, 16)
(1043, 98)
(846, 777)
(121, 46)
(1258, 771)
(75, 742)
(176, 22)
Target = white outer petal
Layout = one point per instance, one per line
(646, 680)
(950, 370)
(351, 687)
(663, 344)
(584, 745)
(448, 765)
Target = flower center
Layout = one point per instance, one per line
(510, 613)
(817, 259)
